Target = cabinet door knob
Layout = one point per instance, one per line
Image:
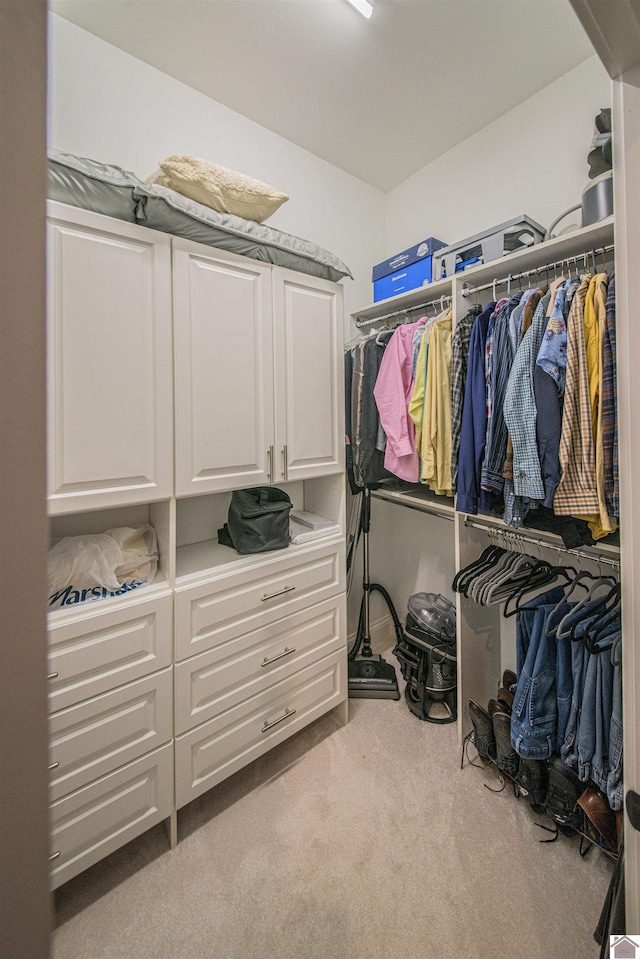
(270, 458)
(285, 468)
(287, 714)
(286, 652)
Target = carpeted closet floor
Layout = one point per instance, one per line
(366, 841)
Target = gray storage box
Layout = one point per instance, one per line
(489, 245)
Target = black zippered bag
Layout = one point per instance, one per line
(258, 520)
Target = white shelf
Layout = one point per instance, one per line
(411, 300)
(158, 587)
(202, 560)
(559, 248)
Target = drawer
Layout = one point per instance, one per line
(92, 654)
(97, 736)
(240, 602)
(216, 749)
(94, 821)
(234, 670)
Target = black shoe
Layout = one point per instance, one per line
(506, 756)
(533, 782)
(509, 678)
(505, 698)
(562, 797)
(483, 736)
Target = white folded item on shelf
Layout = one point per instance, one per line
(310, 520)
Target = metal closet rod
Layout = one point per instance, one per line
(566, 260)
(440, 301)
(508, 536)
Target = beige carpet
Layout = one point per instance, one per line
(366, 841)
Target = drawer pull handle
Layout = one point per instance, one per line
(287, 713)
(270, 457)
(53, 766)
(285, 465)
(286, 652)
(266, 596)
(54, 856)
(52, 676)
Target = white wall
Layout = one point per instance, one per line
(532, 160)
(109, 106)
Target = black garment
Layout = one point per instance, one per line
(548, 430)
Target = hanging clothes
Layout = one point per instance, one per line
(459, 361)
(520, 415)
(366, 458)
(474, 421)
(607, 424)
(392, 392)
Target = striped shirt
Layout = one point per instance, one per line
(576, 493)
(459, 361)
(608, 404)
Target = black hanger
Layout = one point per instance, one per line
(484, 561)
(542, 574)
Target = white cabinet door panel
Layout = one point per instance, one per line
(309, 377)
(102, 649)
(94, 821)
(227, 607)
(218, 679)
(224, 370)
(211, 752)
(95, 737)
(110, 391)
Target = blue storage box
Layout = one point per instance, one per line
(405, 271)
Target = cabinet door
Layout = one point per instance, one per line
(110, 393)
(309, 377)
(224, 370)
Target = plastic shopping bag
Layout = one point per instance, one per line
(85, 568)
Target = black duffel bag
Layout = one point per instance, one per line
(258, 520)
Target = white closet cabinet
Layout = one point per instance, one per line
(160, 693)
(109, 362)
(111, 726)
(257, 354)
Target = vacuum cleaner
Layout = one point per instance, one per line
(370, 676)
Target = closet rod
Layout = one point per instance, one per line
(601, 251)
(440, 301)
(509, 536)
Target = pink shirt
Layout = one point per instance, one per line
(392, 392)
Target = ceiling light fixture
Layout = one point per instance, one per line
(363, 7)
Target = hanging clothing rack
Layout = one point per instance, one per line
(440, 301)
(509, 536)
(545, 268)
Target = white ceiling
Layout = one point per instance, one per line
(378, 98)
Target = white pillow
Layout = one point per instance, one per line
(215, 186)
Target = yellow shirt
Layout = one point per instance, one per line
(435, 447)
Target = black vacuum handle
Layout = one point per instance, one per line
(365, 517)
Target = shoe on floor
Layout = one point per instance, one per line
(509, 678)
(506, 756)
(505, 696)
(483, 736)
(562, 797)
(533, 782)
(601, 817)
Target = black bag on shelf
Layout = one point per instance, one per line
(258, 520)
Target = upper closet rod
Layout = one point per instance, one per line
(508, 536)
(441, 301)
(567, 260)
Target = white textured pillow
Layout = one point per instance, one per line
(215, 186)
